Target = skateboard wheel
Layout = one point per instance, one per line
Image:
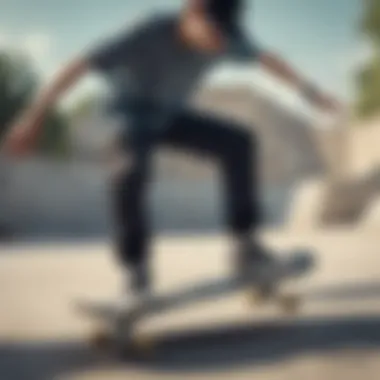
(101, 339)
(143, 344)
(136, 348)
(290, 304)
(258, 297)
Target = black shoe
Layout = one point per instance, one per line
(252, 257)
(140, 281)
(135, 287)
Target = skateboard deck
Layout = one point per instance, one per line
(261, 286)
(295, 267)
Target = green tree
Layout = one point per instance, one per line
(55, 138)
(18, 85)
(368, 80)
(83, 107)
(371, 20)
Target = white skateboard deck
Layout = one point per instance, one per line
(293, 267)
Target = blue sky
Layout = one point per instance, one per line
(320, 37)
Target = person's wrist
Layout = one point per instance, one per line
(308, 91)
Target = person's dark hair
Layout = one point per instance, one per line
(226, 13)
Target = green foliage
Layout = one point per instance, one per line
(55, 138)
(371, 20)
(83, 107)
(18, 85)
(369, 85)
(368, 81)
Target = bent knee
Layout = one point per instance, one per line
(245, 143)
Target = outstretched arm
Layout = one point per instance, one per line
(283, 71)
(243, 48)
(104, 57)
(24, 132)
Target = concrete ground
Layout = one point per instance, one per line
(335, 336)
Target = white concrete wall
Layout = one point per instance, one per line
(71, 199)
(363, 145)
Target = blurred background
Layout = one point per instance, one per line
(333, 44)
(320, 183)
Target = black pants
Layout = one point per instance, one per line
(233, 149)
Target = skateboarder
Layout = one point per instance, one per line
(153, 70)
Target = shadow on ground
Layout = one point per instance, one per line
(199, 351)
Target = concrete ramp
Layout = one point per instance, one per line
(336, 335)
(371, 217)
(307, 205)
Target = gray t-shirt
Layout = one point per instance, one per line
(151, 63)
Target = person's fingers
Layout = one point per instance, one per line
(17, 142)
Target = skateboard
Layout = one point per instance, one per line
(119, 321)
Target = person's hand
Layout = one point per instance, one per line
(324, 102)
(328, 104)
(20, 139)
